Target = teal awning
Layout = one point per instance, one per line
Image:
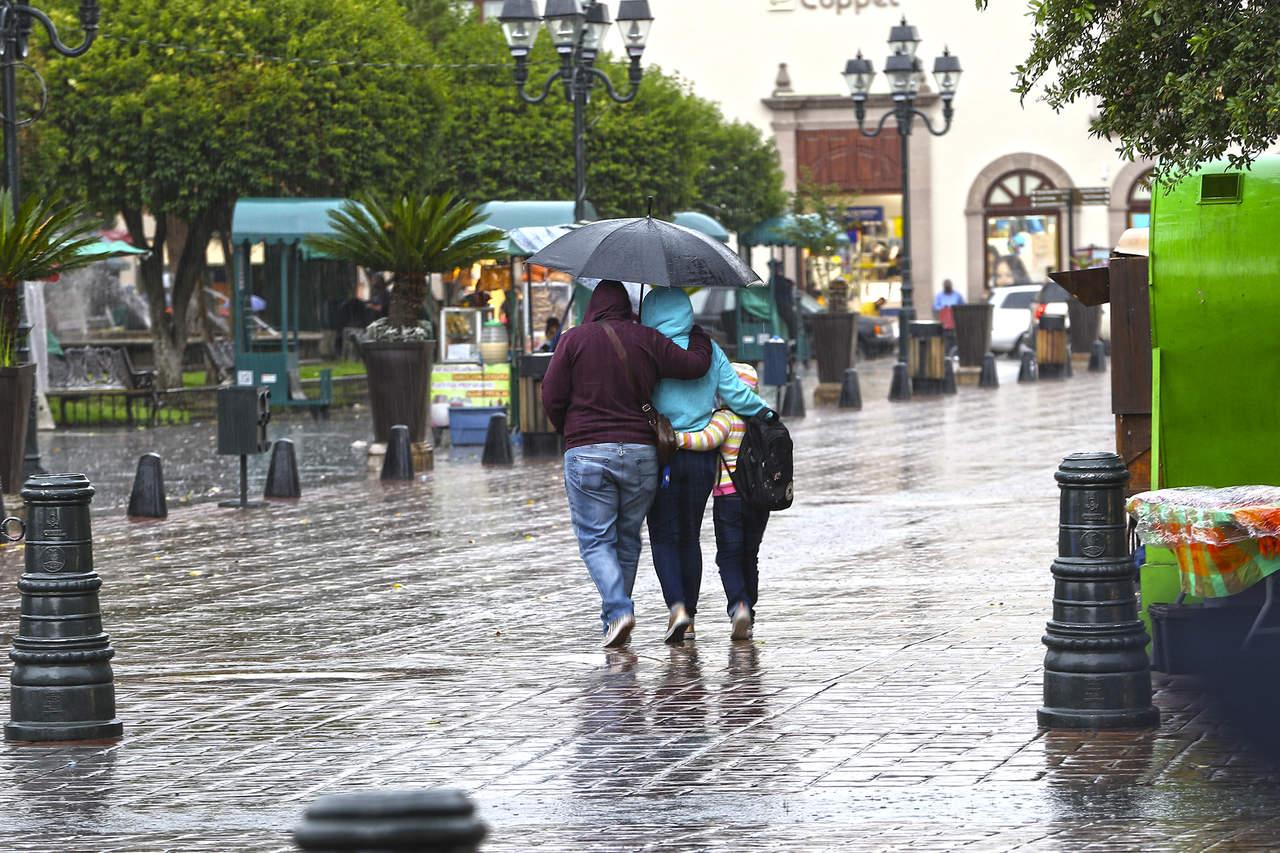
(281, 220)
(701, 222)
(772, 231)
(111, 248)
(506, 215)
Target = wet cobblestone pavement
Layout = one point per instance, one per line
(443, 633)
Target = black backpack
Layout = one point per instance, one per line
(763, 473)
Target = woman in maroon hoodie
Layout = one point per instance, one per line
(610, 460)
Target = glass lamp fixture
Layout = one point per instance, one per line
(634, 22)
(858, 74)
(903, 39)
(901, 69)
(565, 20)
(946, 73)
(596, 28)
(520, 21)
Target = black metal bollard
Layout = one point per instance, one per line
(1027, 371)
(62, 687)
(1096, 671)
(850, 390)
(1098, 358)
(147, 499)
(282, 477)
(1068, 370)
(441, 820)
(793, 400)
(989, 378)
(900, 389)
(949, 376)
(398, 463)
(497, 443)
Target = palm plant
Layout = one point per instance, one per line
(38, 241)
(410, 238)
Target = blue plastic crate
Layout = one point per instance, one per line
(470, 425)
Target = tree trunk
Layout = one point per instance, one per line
(406, 301)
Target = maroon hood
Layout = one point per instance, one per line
(609, 301)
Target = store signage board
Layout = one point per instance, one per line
(864, 214)
(469, 385)
(1071, 195)
(838, 6)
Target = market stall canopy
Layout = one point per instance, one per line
(110, 248)
(701, 222)
(281, 220)
(773, 231)
(507, 215)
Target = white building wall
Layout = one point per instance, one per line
(729, 50)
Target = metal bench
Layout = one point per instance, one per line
(221, 359)
(82, 374)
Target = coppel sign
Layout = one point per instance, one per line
(840, 6)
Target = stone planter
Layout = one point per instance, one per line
(833, 344)
(15, 407)
(399, 376)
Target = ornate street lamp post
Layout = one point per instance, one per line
(577, 31)
(15, 31)
(905, 72)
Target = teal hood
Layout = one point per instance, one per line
(688, 403)
(669, 310)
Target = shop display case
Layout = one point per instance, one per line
(460, 330)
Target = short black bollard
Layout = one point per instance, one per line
(62, 687)
(398, 463)
(497, 443)
(989, 378)
(147, 499)
(282, 476)
(793, 400)
(439, 820)
(900, 389)
(1067, 369)
(949, 376)
(850, 390)
(1027, 370)
(1096, 671)
(1098, 358)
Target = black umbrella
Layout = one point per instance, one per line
(646, 250)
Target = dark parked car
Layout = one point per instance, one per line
(714, 308)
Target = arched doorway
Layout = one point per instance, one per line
(1138, 201)
(1020, 240)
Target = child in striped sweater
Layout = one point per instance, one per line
(739, 528)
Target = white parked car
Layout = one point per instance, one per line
(1009, 315)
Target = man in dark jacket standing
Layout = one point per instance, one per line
(610, 460)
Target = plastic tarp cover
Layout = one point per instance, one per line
(1202, 515)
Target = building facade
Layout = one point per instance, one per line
(778, 64)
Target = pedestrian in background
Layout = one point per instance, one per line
(675, 521)
(739, 526)
(610, 460)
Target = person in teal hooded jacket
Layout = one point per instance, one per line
(675, 519)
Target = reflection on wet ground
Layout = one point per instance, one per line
(442, 632)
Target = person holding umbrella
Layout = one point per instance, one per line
(611, 463)
(675, 520)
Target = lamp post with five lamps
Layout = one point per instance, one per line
(577, 31)
(905, 72)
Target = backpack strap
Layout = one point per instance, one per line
(646, 405)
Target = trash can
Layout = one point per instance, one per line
(1051, 347)
(1086, 321)
(833, 344)
(538, 436)
(928, 357)
(973, 332)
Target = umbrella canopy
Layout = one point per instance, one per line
(701, 222)
(111, 248)
(777, 231)
(646, 250)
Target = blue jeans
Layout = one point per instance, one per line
(675, 522)
(739, 530)
(610, 488)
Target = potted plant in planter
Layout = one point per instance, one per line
(410, 238)
(38, 241)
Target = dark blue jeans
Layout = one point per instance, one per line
(739, 530)
(675, 520)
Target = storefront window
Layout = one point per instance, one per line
(1139, 201)
(1021, 241)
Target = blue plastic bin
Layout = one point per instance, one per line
(469, 425)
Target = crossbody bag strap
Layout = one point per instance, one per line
(645, 405)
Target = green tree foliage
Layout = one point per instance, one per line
(813, 228)
(668, 143)
(1177, 81)
(410, 238)
(138, 128)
